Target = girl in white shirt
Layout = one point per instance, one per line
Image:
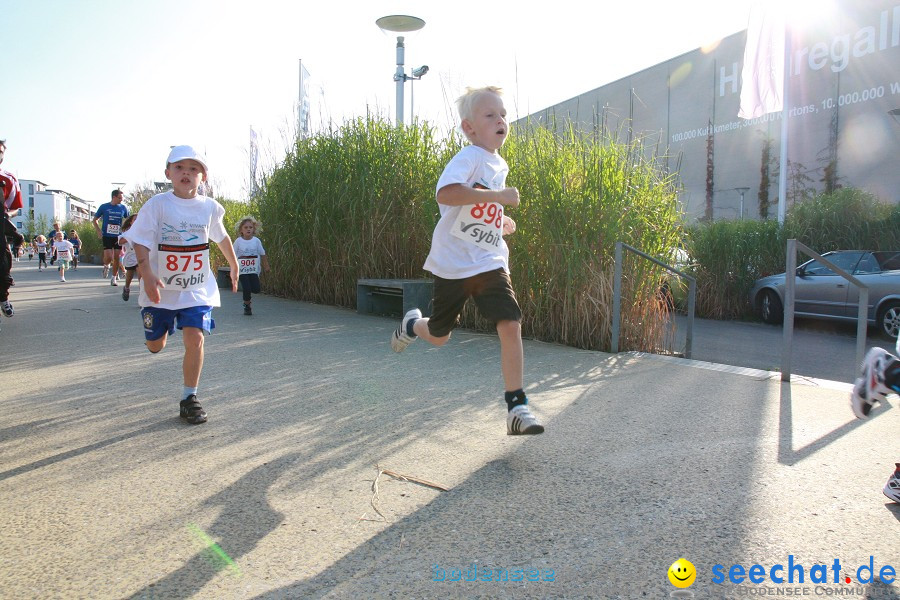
(251, 258)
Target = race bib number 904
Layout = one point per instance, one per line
(248, 265)
(183, 267)
(480, 224)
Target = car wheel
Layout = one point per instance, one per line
(770, 308)
(889, 320)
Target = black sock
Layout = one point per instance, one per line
(514, 399)
(409, 328)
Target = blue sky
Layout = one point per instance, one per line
(96, 91)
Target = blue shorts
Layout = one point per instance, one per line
(158, 321)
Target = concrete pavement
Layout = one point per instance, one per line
(106, 493)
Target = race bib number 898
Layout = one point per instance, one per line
(480, 224)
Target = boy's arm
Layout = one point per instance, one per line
(152, 284)
(228, 250)
(458, 194)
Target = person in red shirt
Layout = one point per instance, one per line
(11, 195)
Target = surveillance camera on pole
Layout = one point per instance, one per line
(401, 24)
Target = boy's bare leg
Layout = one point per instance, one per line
(420, 328)
(192, 364)
(155, 346)
(512, 354)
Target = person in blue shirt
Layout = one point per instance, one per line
(112, 213)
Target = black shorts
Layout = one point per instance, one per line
(111, 242)
(492, 292)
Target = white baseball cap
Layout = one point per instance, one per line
(184, 153)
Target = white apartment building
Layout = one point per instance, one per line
(43, 206)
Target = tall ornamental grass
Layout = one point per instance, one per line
(728, 256)
(581, 193)
(354, 202)
(358, 202)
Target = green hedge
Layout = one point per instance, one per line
(728, 256)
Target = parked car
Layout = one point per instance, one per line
(821, 293)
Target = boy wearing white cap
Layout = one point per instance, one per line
(178, 289)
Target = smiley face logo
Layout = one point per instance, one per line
(682, 573)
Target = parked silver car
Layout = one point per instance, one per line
(823, 294)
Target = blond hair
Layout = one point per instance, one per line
(256, 224)
(466, 103)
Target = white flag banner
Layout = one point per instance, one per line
(254, 159)
(303, 103)
(762, 78)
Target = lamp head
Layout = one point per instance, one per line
(400, 23)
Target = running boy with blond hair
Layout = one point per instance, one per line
(469, 257)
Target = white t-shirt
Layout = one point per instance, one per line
(129, 259)
(454, 258)
(178, 231)
(249, 254)
(64, 249)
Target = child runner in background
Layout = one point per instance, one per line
(178, 288)
(880, 376)
(40, 246)
(129, 261)
(471, 194)
(251, 258)
(76, 244)
(64, 252)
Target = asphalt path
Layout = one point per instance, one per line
(287, 491)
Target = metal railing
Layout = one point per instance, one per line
(790, 276)
(617, 297)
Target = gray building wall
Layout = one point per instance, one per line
(845, 78)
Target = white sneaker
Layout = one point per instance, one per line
(114, 280)
(870, 388)
(400, 339)
(7, 308)
(892, 487)
(105, 271)
(520, 421)
(62, 279)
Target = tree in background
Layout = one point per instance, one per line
(765, 179)
(710, 173)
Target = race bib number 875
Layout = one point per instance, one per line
(183, 267)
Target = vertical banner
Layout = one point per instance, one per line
(762, 78)
(254, 158)
(303, 103)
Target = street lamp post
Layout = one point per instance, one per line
(402, 24)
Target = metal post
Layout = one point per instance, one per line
(790, 275)
(617, 300)
(689, 334)
(400, 78)
(862, 325)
